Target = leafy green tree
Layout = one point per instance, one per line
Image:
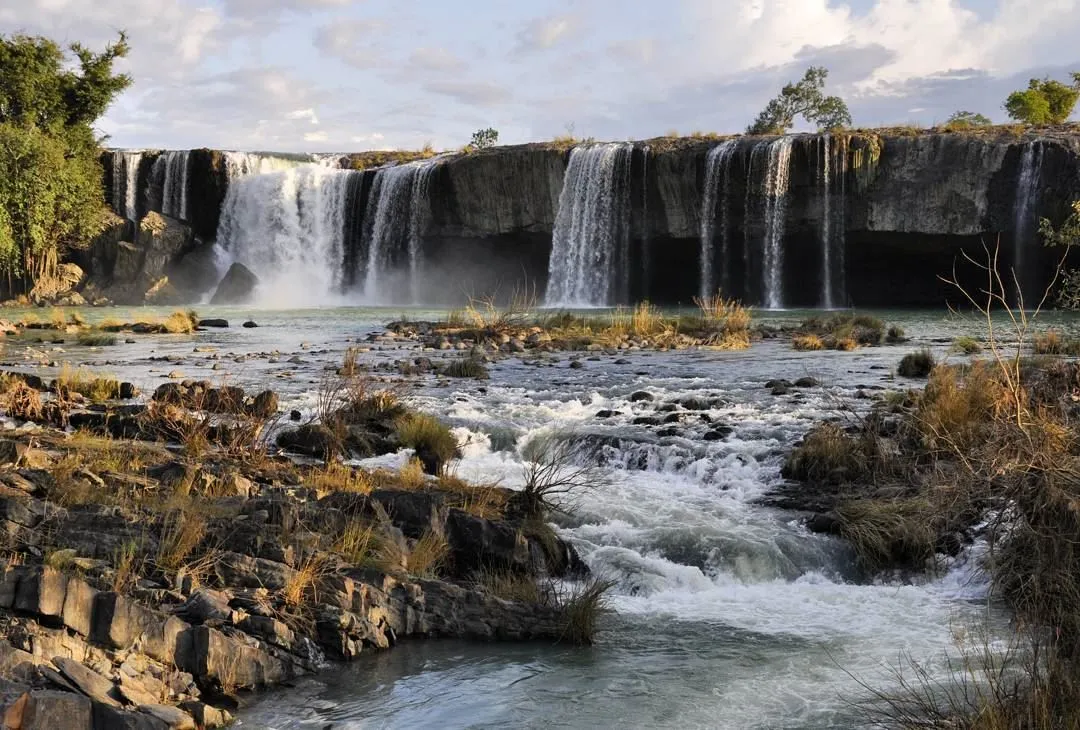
(967, 119)
(484, 138)
(805, 98)
(1066, 235)
(1045, 101)
(51, 198)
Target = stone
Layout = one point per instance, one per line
(173, 717)
(237, 287)
(220, 658)
(49, 710)
(42, 591)
(206, 715)
(244, 571)
(162, 240)
(206, 605)
(641, 396)
(480, 544)
(219, 323)
(87, 681)
(110, 718)
(806, 382)
(79, 606)
(250, 324)
(264, 405)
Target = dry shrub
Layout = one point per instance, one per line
(581, 607)
(886, 533)
(435, 446)
(830, 455)
(184, 530)
(917, 364)
(338, 477)
(181, 323)
(127, 566)
(302, 585)
(958, 409)
(77, 380)
(967, 345)
(807, 343)
(22, 402)
(428, 555)
(511, 586)
(1052, 342)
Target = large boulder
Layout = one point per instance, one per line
(162, 240)
(195, 273)
(238, 286)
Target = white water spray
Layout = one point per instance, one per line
(589, 263)
(287, 227)
(170, 176)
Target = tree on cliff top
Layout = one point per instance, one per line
(963, 120)
(51, 198)
(1044, 101)
(803, 98)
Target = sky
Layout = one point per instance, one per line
(350, 75)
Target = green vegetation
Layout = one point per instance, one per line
(966, 120)
(434, 444)
(1065, 236)
(484, 138)
(51, 199)
(804, 98)
(466, 368)
(1045, 101)
(967, 345)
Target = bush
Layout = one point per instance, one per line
(581, 608)
(92, 339)
(1052, 342)
(466, 368)
(829, 455)
(917, 364)
(430, 438)
(807, 343)
(895, 335)
(890, 533)
(967, 345)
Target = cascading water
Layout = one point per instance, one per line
(242, 164)
(777, 176)
(394, 221)
(832, 164)
(1026, 208)
(170, 178)
(717, 190)
(288, 227)
(589, 263)
(126, 182)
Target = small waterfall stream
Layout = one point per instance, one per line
(715, 203)
(169, 179)
(589, 265)
(126, 183)
(777, 177)
(832, 190)
(1025, 213)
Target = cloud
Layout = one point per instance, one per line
(638, 51)
(541, 34)
(259, 9)
(434, 59)
(476, 93)
(308, 114)
(354, 42)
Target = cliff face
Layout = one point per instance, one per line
(882, 214)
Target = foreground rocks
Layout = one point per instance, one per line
(144, 585)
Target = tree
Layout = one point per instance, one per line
(967, 119)
(51, 198)
(1045, 101)
(484, 138)
(803, 98)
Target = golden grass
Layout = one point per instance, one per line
(430, 438)
(338, 477)
(807, 343)
(511, 586)
(126, 566)
(428, 555)
(303, 583)
(885, 532)
(183, 532)
(97, 388)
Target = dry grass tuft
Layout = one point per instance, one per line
(428, 555)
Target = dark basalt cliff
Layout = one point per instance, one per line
(904, 205)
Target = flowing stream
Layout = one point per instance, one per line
(726, 613)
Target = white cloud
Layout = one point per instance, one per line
(478, 93)
(541, 34)
(308, 114)
(355, 42)
(434, 59)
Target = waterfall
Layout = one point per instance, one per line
(288, 227)
(126, 182)
(169, 179)
(1026, 209)
(717, 190)
(242, 164)
(777, 176)
(832, 166)
(395, 218)
(589, 263)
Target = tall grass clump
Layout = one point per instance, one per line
(581, 608)
(435, 446)
(917, 364)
